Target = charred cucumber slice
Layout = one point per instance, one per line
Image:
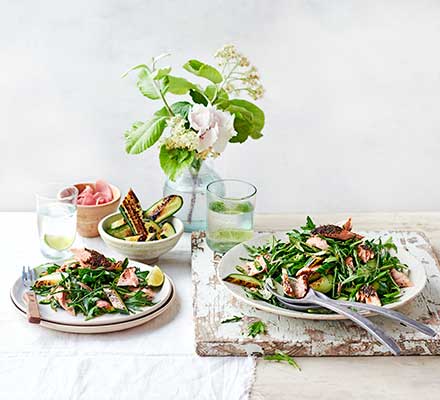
(117, 224)
(151, 228)
(121, 233)
(164, 208)
(243, 280)
(136, 238)
(166, 231)
(131, 210)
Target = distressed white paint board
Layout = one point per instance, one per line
(212, 304)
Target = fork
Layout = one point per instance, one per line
(28, 278)
(365, 323)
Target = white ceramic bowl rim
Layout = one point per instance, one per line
(140, 244)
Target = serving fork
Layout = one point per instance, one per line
(314, 298)
(28, 277)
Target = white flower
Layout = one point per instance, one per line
(180, 138)
(214, 127)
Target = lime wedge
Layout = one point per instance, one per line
(155, 277)
(231, 235)
(58, 242)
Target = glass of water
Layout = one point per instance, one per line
(231, 205)
(56, 212)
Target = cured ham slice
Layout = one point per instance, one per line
(99, 193)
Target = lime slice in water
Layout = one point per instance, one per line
(155, 277)
(58, 242)
(231, 235)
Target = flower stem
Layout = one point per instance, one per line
(194, 170)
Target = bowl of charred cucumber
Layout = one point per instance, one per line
(143, 235)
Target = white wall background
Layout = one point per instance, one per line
(352, 100)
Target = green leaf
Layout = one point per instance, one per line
(256, 328)
(235, 318)
(212, 92)
(249, 120)
(143, 66)
(143, 135)
(178, 85)
(147, 87)
(160, 73)
(257, 113)
(280, 356)
(203, 70)
(174, 161)
(182, 108)
(198, 97)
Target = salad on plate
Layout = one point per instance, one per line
(92, 285)
(331, 259)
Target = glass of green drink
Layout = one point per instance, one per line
(231, 205)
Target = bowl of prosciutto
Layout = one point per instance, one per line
(95, 201)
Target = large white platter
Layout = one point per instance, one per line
(232, 258)
(107, 328)
(63, 317)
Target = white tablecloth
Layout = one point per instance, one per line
(155, 360)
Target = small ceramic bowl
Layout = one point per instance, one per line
(88, 217)
(148, 252)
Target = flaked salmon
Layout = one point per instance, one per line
(365, 253)
(92, 259)
(128, 278)
(296, 288)
(400, 278)
(255, 267)
(316, 241)
(104, 304)
(335, 232)
(61, 297)
(368, 295)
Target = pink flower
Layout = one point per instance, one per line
(214, 127)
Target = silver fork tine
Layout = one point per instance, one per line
(29, 276)
(23, 275)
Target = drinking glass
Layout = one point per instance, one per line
(56, 213)
(231, 205)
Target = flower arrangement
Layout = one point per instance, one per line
(211, 117)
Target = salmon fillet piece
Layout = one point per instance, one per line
(368, 295)
(296, 288)
(365, 253)
(316, 241)
(335, 232)
(128, 278)
(400, 278)
(92, 259)
(61, 296)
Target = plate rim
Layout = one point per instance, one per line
(106, 328)
(95, 321)
(304, 315)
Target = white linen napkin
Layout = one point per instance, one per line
(155, 360)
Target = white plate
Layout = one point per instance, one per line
(121, 326)
(232, 258)
(63, 317)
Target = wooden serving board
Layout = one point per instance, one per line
(213, 304)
